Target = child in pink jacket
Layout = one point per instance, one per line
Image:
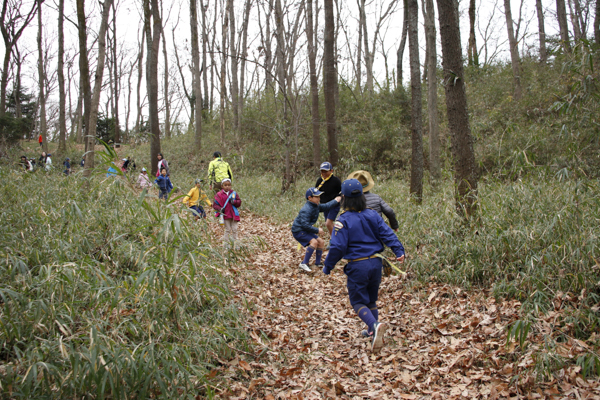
(226, 202)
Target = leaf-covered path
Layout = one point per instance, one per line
(442, 342)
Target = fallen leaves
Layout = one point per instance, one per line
(443, 342)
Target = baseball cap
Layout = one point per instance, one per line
(144, 169)
(352, 188)
(199, 180)
(313, 191)
(326, 166)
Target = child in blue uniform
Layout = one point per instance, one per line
(359, 236)
(304, 231)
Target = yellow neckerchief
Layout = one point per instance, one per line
(324, 180)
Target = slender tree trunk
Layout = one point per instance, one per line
(153, 33)
(473, 56)
(62, 123)
(314, 84)
(42, 78)
(205, 103)
(234, 70)
(224, 69)
(116, 77)
(361, 23)
(541, 31)
(166, 89)
(330, 80)
(514, 51)
(582, 20)
(432, 102)
(561, 14)
(78, 111)
(465, 171)
(597, 23)
(416, 168)
(197, 95)
(402, 45)
(575, 22)
(244, 52)
(140, 60)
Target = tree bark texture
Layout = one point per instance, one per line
(561, 14)
(167, 98)
(62, 123)
(330, 80)
(234, 69)
(514, 51)
(224, 69)
(465, 171)
(152, 15)
(197, 95)
(416, 165)
(541, 31)
(432, 101)
(314, 84)
(42, 80)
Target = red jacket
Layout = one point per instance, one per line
(221, 198)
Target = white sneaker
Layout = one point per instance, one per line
(378, 331)
(305, 267)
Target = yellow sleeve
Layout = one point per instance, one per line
(204, 197)
(188, 196)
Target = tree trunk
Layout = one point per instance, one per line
(234, 70)
(283, 93)
(465, 172)
(197, 94)
(244, 52)
(402, 45)
(62, 123)
(597, 23)
(561, 14)
(266, 44)
(42, 78)
(205, 103)
(152, 14)
(116, 77)
(416, 165)
(473, 56)
(140, 60)
(361, 23)
(166, 89)
(432, 102)
(514, 51)
(79, 115)
(541, 31)
(314, 84)
(575, 22)
(330, 81)
(224, 69)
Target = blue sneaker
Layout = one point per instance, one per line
(379, 329)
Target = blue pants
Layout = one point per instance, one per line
(304, 237)
(163, 194)
(363, 282)
(199, 210)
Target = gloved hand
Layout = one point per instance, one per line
(326, 271)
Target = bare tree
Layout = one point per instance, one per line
(167, 100)
(265, 35)
(541, 31)
(314, 84)
(401, 47)
(42, 79)
(561, 14)
(330, 82)
(597, 23)
(205, 103)
(465, 172)
(472, 49)
(116, 77)
(244, 55)
(234, 69)
(416, 165)
(62, 124)
(224, 69)
(12, 24)
(577, 34)
(153, 33)
(196, 84)
(432, 102)
(514, 51)
(140, 69)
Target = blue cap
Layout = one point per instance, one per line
(313, 191)
(352, 188)
(326, 166)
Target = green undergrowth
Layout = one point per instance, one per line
(107, 293)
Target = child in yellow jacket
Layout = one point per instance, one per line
(194, 198)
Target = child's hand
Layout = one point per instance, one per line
(320, 231)
(338, 199)
(400, 259)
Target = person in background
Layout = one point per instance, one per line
(48, 162)
(41, 141)
(143, 181)
(112, 170)
(331, 186)
(374, 201)
(227, 202)
(164, 185)
(194, 198)
(359, 237)
(67, 165)
(26, 164)
(124, 164)
(82, 163)
(303, 230)
(162, 164)
(217, 171)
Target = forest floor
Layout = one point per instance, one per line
(442, 342)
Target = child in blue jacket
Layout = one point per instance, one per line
(304, 231)
(359, 236)
(164, 185)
